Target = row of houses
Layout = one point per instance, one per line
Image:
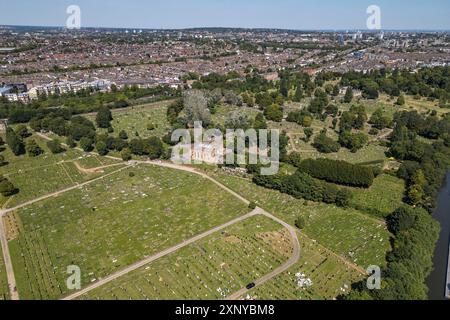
(13, 93)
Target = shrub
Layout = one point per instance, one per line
(55, 147)
(86, 144)
(325, 144)
(7, 189)
(33, 149)
(300, 223)
(126, 154)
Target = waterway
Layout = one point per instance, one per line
(438, 282)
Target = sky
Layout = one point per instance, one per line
(283, 14)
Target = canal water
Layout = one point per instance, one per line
(438, 278)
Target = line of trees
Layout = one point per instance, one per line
(431, 83)
(339, 172)
(424, 164)
(302, 186)
(83, 101)
(410, 262)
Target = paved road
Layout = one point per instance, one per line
(159, 255)
(7, 260)
(292, 231)
(57, 193)
(4, 242)
(195, 171)
(292, 261)
(295, 256)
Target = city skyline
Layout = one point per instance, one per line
(287, 14)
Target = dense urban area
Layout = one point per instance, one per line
(87, 182)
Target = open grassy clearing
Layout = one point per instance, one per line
(47, 173)
(4, 290)
(24, 162)
(42, 181)
(137, 118)
(382, 198)
(212, 268)
(330, 276)
(223, 111)
(349, 233)
(389, 107)
(112, 223)
(369, 153)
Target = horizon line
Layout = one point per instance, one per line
(237, 28)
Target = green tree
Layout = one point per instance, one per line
(33, 148)
(353, 141)
(260, 122)
(126, 154)
(102, 148)
(294, 158)
(55, 147)
(7, 189)
(123, 135)
(248, 100)
(336, 91)
(15, 142)
(401, 101)
(137, 147)
(308, 134)
(86, 144)
(274, 113)
(104, 117)
(348, 98)
(300, 223)
(154, 147)
(298, 96)
(325, 144)
(70, 142)
(22, 131)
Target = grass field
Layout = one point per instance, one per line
(212, 268)
(4, 290)
(24, 162)
(137, 118)
(369, 153)
(347, 232)
(223, 111)
(382, 198)
(330, 276)
(112, 223)
(47, 173)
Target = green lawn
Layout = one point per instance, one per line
(24, 162)
(223, 111)
(47, 173)
(349, 233)
(330, 277)
(212, 268)
(4, 290)
(382, 198)
(137, 118)
(112, 223)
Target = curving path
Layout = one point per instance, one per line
(258, 211)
